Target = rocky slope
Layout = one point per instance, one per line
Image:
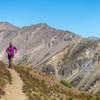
(5, 26)
(80, 65)
(5, 29)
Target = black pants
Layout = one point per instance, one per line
(10, 58)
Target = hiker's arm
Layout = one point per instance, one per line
(15, 49)
(7, 51)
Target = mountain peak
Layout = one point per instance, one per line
(7, 26)
(42, 25)
(94, 38)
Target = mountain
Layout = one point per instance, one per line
(94, 38)
(5, 26)
(37, 43)
(63, 54)
(5, 29)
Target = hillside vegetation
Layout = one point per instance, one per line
(5, 77)
(39, 86)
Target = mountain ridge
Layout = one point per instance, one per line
(7, 26)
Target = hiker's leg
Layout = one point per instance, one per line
(12, 65)
(9, 63)
(9, 58)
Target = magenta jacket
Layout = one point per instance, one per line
(10, 50)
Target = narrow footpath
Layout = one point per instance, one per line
(14, 91)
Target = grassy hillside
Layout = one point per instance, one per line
(39, 86)
(5, 77)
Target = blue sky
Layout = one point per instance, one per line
(79, 16)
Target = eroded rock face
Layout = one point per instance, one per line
(49, 69)
(80, 65)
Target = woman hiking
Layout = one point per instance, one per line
(10, 51)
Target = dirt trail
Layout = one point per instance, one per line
(14, 91)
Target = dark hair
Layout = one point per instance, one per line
(10, 44)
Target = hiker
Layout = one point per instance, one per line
(10, 51)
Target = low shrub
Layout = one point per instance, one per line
(66, 83)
